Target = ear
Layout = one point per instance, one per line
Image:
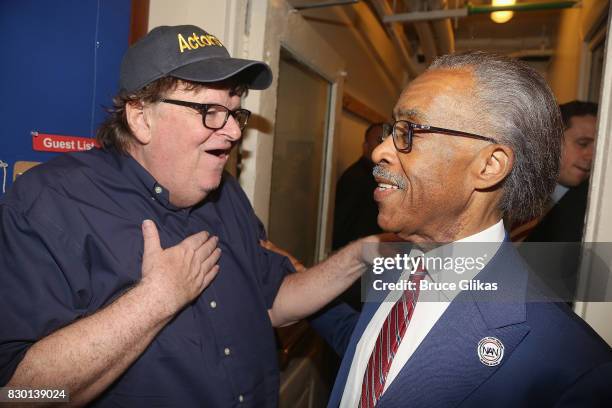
(138, 121)
(491, 166)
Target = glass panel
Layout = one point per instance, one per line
(297, 164)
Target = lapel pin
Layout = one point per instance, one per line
(490, 351)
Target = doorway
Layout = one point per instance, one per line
(298, 164)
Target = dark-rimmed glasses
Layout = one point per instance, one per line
(403, 132)
(214, 116)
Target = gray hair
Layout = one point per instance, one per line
(522, 113)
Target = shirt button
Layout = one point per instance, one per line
(227, 351)
(240, 398)
(158, 190)
(213, 304)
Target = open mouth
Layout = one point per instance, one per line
(386, 186)
(220, 153)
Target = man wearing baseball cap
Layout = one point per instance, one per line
(132, 275)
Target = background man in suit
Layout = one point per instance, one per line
(564, 222)
(476, 138)
(356, 211)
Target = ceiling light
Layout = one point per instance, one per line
(502, 16)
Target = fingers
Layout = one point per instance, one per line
(383, 237)
(209, 277)
(265, 244)
(205, 263)
(195, 241)
(210, 261)
(390, 237)
(269, 245)
(206, 249)
(206, 256)
(151, 237)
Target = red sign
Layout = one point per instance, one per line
(44, 142)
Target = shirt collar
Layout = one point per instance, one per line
(480, 247)
(139, 176)
(558, 193)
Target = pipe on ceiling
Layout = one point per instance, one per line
(424, 31)
(471, 10)
(443, 31)
(321, 4)
(396, 32)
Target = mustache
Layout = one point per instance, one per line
(381, 172)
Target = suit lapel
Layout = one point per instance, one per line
(445, 369)
(374, 301)
(368, 311)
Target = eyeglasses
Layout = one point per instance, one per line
(403, 131)
(214, 116)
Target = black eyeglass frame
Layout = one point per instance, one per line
(412, 127)
(203, 108)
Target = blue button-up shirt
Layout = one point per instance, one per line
(71, 243)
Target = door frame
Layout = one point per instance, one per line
(598, 226)
(284, 27)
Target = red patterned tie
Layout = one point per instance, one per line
(387, 343)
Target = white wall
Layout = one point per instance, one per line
(211, 15)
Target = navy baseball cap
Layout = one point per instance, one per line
(190, 53)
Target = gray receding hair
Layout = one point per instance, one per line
(520, 110)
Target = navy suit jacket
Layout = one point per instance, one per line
(551, 356)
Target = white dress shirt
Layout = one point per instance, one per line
(430, 306)
(557, 194)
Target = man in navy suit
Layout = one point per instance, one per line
(476, 138)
